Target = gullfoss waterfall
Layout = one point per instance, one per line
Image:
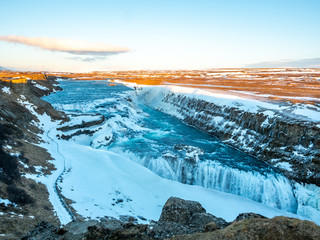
(121, 135)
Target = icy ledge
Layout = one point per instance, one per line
(286, 136)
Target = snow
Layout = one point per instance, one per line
(23, 164)
(94, 179)
(284, 165)
(153, 96)
(273, 191)
(6, 90)
(99, 176)
(308, 196)
(312, 114)
(7, 147)
(284, 97)
(49, 143)
(7, 202)
(76, 120)
(103, 139)
(40, 86)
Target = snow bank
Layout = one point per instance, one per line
(99, 179)
(49, 134)
(39, 86)
(6, 90)
(155, 95)
(7, 202)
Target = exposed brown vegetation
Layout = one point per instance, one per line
(20, 155)
(21, 77)
(294, 85)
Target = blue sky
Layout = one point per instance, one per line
(162, 34)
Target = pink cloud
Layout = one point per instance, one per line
(66, 45)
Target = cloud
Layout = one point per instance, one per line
(298, 63)
(67, 45)
(87, 59)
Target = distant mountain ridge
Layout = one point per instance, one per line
(3, 69)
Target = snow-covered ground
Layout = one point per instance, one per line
(153, 95)
(6, 90)
(39, 86)
(103, 183)
(48, 136)
(7, 202)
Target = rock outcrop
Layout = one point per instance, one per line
(288, 143)
(20, 103)
(261, 228)
(181, 220)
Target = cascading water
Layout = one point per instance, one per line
(170, 148)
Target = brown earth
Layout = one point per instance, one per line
(282, 84)
(18, 131)
(259, 228)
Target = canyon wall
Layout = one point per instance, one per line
(288, 143)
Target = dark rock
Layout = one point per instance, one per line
(164, 229)
(179, 210)
(84, 124)
(130, 231)
(80, 228)
(111, 224)
(242, 216)
(97, 233)
(142, 218)
(43, 231)
(128, 219)
(183, 217)
(200, 220)
(279, 135)
(212, 226)
(261, 229)
(119, 200)
(191, 223)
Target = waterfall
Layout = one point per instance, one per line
(274, 190)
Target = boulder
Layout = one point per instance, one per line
(111, 224)
(180, 211)
(200, 220)
(250, 215)
(79, 227)
(162, 230)
(42, 231)
(180, 216)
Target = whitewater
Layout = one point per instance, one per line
(138, 157)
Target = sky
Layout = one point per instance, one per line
(90, 35)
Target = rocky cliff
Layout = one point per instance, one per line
(282, 138)
(23, 202)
